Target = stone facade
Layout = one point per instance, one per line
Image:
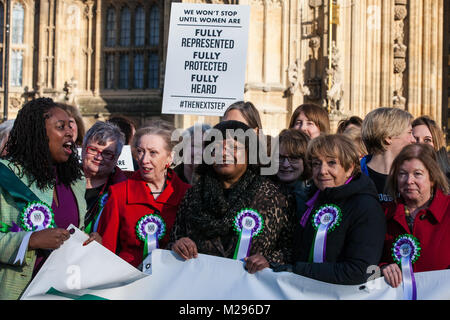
(383, 53)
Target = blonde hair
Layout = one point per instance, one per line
(382, 123)
(354, 133)
(335, 146)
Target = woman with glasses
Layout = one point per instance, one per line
(140, 211)
(342, 233)
(293, 171)
(102, 146)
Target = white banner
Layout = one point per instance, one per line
(75, 271)
(206, 58)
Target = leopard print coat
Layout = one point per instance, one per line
(206, 215)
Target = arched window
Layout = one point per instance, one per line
(131, 51)
(111, 27)
(153, 71)
(139, 32)
(18, 18)
(154, 26)
(125, 27)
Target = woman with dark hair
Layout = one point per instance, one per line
(75, 122)
(244, 112)
(353, 121)
(232, 211)
(293, 169)
(341, 233)
(426, 130)
(41, 193)
(311, 119)
(418, 221)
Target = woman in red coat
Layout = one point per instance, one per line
(421, 209)
(140, 212)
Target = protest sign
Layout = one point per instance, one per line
(206, 58)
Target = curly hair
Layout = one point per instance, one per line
(28, 147)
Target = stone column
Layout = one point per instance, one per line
(425, 58)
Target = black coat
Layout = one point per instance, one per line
(351, 247)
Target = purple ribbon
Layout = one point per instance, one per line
(311, 202)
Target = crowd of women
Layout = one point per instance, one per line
(373, 194)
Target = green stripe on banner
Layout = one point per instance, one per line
(55, 292)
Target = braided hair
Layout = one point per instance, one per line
(28, 147)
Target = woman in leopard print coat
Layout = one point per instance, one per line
(205, 218)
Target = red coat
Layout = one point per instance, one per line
(130, 200)
(431, 228)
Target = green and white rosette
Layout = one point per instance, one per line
(248, 223)
(150, 229)
(36, 216)
(406, 251)
(325, 220)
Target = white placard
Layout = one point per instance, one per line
(206, 58)
(125, 161)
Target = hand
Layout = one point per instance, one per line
(393, 275)
(48, 238)
(186, 248)
(255, 263)
(94, 236)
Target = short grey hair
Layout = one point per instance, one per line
(5, 129)
(102, 132)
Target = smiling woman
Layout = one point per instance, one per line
(40, 178)
(343, 219)
(140, 212)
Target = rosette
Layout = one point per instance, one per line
(150, 229)
(248, 223)
(406, 251)
(325, 220)
(37, 216)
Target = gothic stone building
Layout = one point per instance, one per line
(108, 57)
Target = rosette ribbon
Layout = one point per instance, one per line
(35, 216)
(150, 229)
(248, 223)
(325, 220)
(101, 205)
(406, 251)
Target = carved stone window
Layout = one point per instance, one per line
(131, 50)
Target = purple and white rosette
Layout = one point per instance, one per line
(406, 251)
(248, 223)
(150, 229)
(37, 216)
(325, 220)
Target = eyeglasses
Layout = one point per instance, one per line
(290, 159)
(107, 155)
